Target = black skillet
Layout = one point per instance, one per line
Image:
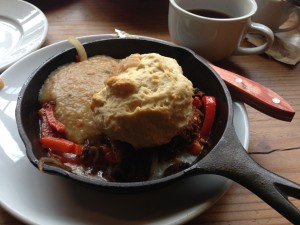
(227, 157)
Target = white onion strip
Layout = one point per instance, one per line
(52, 161)
(79, 48)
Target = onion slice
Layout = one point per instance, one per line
(79, 48)
(48, 160)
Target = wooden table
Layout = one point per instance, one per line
(274, 144)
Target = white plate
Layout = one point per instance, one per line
(23, 29)
(47, 199)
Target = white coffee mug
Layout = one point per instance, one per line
(216, 38)
(274, 13)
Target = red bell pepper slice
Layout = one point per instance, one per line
(197, 102)
(209, 109)
(195, 148)
(46, 130)
(109, 155)
(61, 145)
(53, 122)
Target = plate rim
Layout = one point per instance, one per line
(36, 44)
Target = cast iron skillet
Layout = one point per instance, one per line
(227, 157)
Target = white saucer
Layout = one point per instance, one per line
(23, 29)
(47, 199)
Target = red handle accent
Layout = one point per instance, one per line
(256, 95)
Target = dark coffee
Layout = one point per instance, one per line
(209, 13)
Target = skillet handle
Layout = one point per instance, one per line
(233, 162)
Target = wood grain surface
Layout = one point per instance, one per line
(274, 144)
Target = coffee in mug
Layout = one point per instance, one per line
(209, 13)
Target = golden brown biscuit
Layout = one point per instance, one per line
(146, 103)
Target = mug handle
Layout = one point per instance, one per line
(295, 24)
(257, 28)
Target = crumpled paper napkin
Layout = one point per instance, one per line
(282, 50)
(286, 46)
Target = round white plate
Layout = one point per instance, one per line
(23, 29)
(45, 199)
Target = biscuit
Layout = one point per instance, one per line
(146, 103)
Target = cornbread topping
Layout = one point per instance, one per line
(146, 103)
